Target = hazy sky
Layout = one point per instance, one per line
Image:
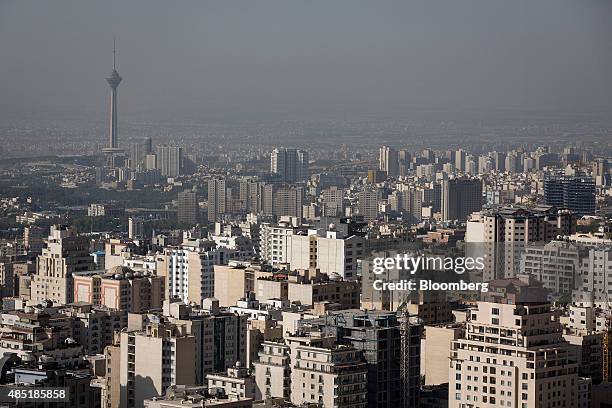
(306, 55)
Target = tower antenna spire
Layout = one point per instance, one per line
(114, 54)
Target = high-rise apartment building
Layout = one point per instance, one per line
(65, 254)
(120, 288)
(188, 210)
(595, 279)
(217, 198)
(169, 160)
(152, 358)
(460, 198)
(138, 151)
(377, 335)
(513, 355)
(326, 374)
(368, 204)
(220, 335)
(286, 201)
(388, 160)
(555, 264)
(135, 228)
(329, 251)
(252, 195)
(332, 202)
(290, 165)
(189, 269)
(273, 371)
(576, 193)
(274, 244)
(500, 235)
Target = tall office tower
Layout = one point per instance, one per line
(460, 157)
(388, 161)
(500, 235)
(138, 151)
(600, 172)
(113, 81)
(576, 193)
(220, 335)
(169, 160)
(513, 355)
(65, 254)
(290, 164)
(135, 228)
(368, 204)
(188, 207)
(499, 161)
(217, 198)
(333, 202)
(460, 198)
(322, 373)
(189, 270)
(151, 358)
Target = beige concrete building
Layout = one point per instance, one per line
(310, 287)
(235, 281)
(220, 335)
(120, 289)
(152, 359)
(326, 374)
(65, 254)
(499, 235)
(329, 251)
(272, 371)
(435, 349)
(196, 397)
(93, 327)
(189, 269)
(237, 382)
(513, 356)
(267, 288)
(111, 390)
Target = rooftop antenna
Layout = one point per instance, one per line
(114, 55)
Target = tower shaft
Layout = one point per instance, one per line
(113, 119)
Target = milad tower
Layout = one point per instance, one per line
(113, 150)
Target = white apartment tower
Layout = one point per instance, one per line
(513, 355)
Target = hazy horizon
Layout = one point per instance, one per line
(240, 57)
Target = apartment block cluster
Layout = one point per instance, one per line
(261, 294)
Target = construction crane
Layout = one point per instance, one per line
(409, 389)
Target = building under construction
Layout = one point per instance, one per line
(391, 350)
